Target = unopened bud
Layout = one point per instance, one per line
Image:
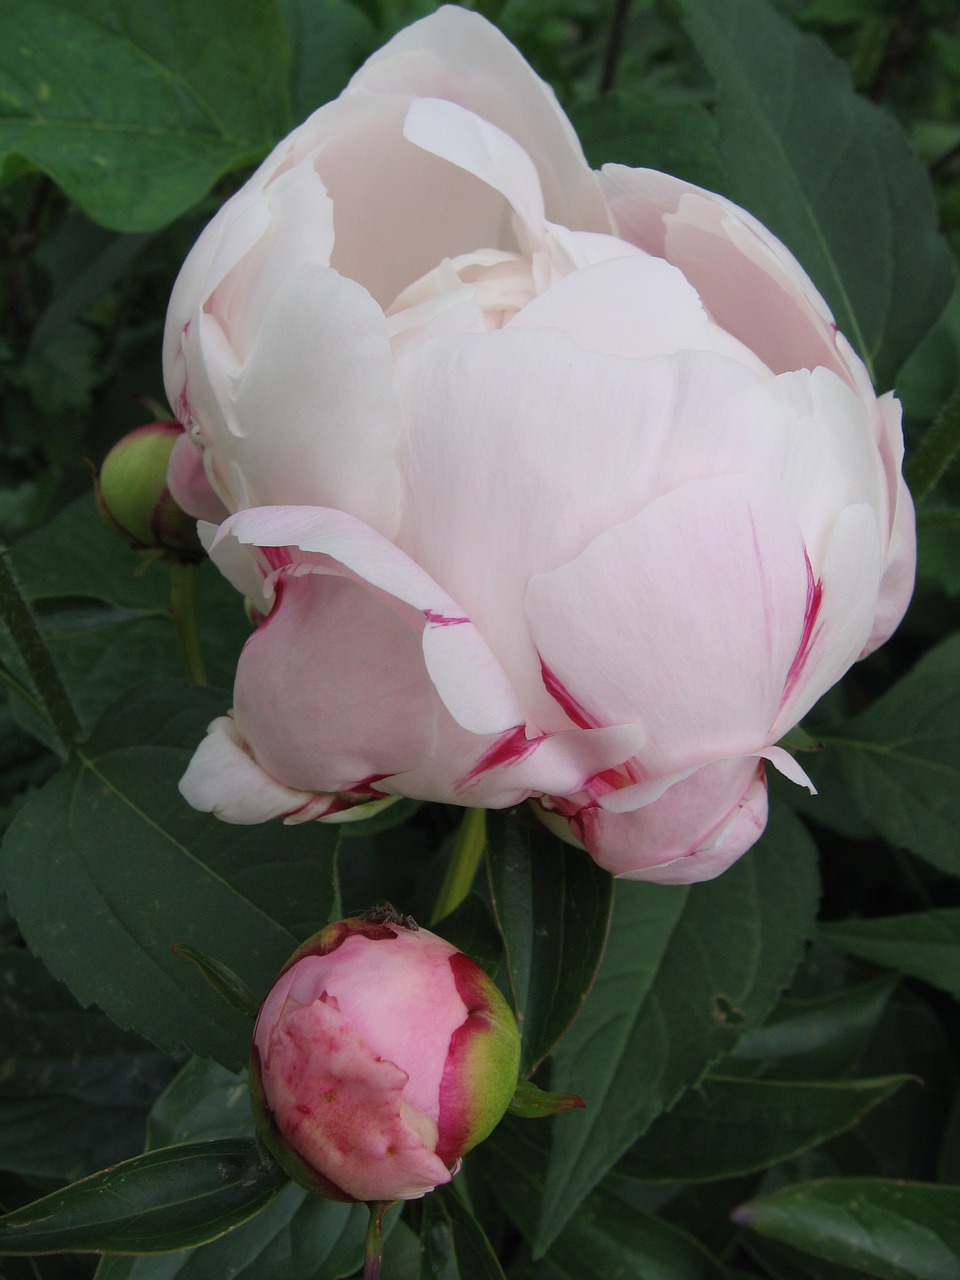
(381, 1055)
(133, 496)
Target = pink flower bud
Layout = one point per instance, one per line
(381, 1055)
(133, 496)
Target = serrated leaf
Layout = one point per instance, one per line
(893, 1230)
(688, 970)
(552, 905)
(925, 945)
(901, 759)
(164, 1200)
(727, 1127)
(136, 110)
(107, 867)
(830, 173)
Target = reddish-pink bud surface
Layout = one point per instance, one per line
(380, 1056)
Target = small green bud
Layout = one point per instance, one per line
(133, 496)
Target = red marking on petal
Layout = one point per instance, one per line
(809, 634)
(277, 557)
(510, 747)
(457, 1112)
(562, 695)
(442, 619)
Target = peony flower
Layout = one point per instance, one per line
(381, 1055)
(551, 484)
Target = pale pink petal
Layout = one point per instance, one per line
(789, 766)
(244, 568)
(606, 307)
(502, 771)
(686, 618)
(224, 779)
(534, 398)
(398, 209)
(693, 832)
(331, 690)
(463, 139)
(899, 572)
(849, 578)
(188, 483)
(749, 281)
(465, 673)
(459, 56)
(255, 239)
(320, 367)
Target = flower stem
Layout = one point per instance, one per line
(183, 611)
(373, 1246)
(464, 862)
(36, 657)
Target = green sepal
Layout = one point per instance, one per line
(223, 980)
(533, 1103)
(174, 1198)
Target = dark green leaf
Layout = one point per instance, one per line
(643, 132)
(727, 1127)
(222, 979)
(103, 613)
(893, 1230)
(925, 945)
(74, 1088)
(832, 175)
(452, 1243)
(203, 1100)
(296, 1235)
(688, 971)
(136, 110)
(471, 929)
(552, 904)
(821, 1038)
(107, 867)
(901, 759)
(169, 1199)
(610, 1238)
(329, 39)
(938, 449)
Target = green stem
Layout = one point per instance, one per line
(936, 450)
(373, 1247)
(183, 611)
(464, 863)
(32, 648)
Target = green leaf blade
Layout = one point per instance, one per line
(688, 970)
(726, 1127)
(136, 870)
(552, 905)
(829, 173)
(893, 1230)
(135, 111)
(174, 1198)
